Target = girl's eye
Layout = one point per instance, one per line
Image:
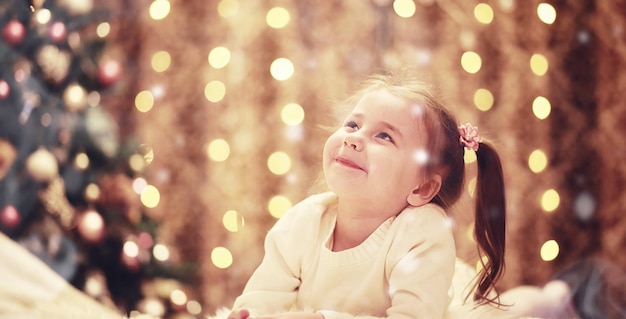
(384, 136)
(352, 125)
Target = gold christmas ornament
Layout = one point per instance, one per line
(42, 166)
(54, 63)
(54, 201)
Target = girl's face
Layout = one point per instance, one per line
(375, 157)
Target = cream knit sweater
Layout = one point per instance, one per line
(404, 269)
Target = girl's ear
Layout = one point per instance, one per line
(423, 193)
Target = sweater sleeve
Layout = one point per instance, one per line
(273, 286)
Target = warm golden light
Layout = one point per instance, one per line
(282, 69)
(549, 250)
(278, 206)
(75, 97)
(550, 200)
(228, 8)
(103, 29)
(471, 62)
(131, 249)
(404, 8)
(218, 150)
(178, 297)
(546, 13)
(92, 192)
(159, 9)
(219, 57)
(43, 16)
(483, 99)
(161, 252)
(136, 162)
(194, 307)
(81, 161)
(150, 196)
(277, 17)
(215, 91)
(279, 163)
(541, 107)
(292, 114)
(160, 61)
(221, 257)
(233, 221)
(539, 64)
(537, 161)
(483, 13)
(144, 101)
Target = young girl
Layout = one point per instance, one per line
(380, 243)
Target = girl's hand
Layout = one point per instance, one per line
(293, 315)
(239, 314)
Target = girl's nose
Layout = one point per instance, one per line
(353, 142)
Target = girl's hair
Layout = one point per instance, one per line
(446, 158)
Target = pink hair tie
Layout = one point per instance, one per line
(469, 137)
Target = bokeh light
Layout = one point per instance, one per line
(233, 221)
(161, 252)
(219, 57)
(278, 206)
(292, 114)
(483, 13)
(537, 161)
(218, 150)
(103, 29)
(178, 297)
(539, 64)
(81, 161)
(159, 9)
(471, 62)
(282, 69)
(549, 250)
(131, 249)
(160, 61)
(277, 17)
(144, 101)
(546, 13)
(550, 200)
(279, 163)
(541, 107)
(228, 8)
(221, 257)
(150, 196)
(483, 99)
(404, 8)
(215, 91)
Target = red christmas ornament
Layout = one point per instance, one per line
(91, 226)
(4, 89)
(13, 32)
(10, 217)
(57, 31)
(109, 72)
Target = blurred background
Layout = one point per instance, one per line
(146, 147)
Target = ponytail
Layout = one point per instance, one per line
(490, 223)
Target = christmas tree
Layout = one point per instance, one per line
(71, 185)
